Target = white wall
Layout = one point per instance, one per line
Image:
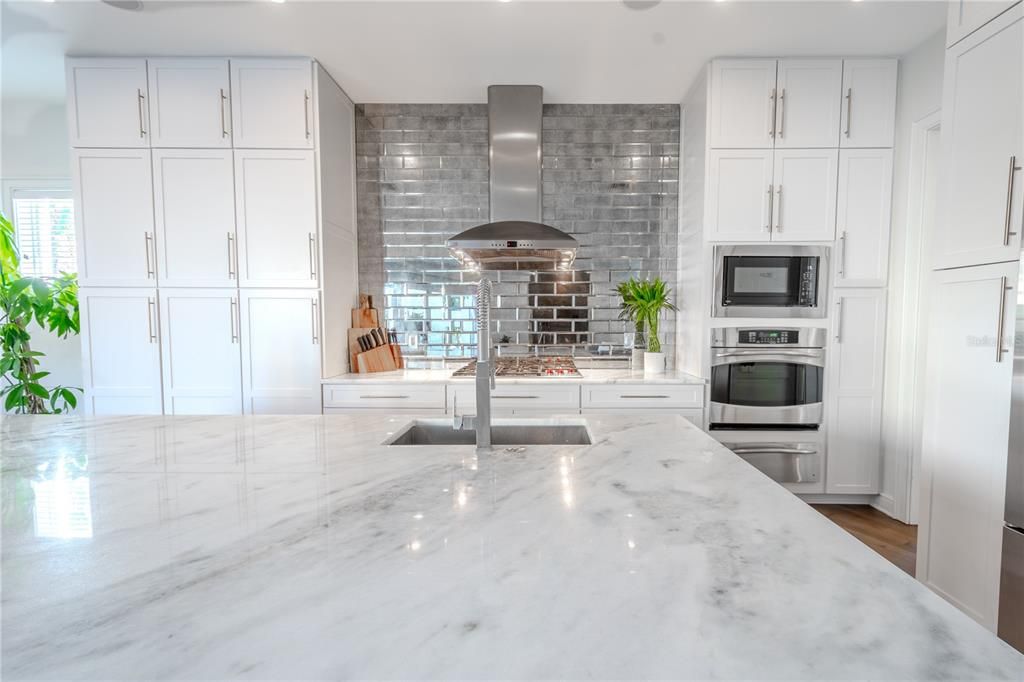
(34, 146)
(919, 95)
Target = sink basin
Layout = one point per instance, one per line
(503, 432)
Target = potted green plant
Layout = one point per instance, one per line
(50, 303)
(646, 300)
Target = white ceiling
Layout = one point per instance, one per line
(610, 51)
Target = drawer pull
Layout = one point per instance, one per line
(514, 397)
(389, 397)
(659, 397)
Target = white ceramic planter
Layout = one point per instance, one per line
(654, 363)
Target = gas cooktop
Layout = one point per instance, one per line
(529, 366)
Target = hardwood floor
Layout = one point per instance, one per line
(895, 541)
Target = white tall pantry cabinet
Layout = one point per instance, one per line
(215, 204)
(974, 295)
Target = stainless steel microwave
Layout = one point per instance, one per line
(770, 280)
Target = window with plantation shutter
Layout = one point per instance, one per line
(45, 229)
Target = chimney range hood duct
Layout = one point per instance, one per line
(515, 239)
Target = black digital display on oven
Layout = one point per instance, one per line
(769, 336)
(511, 244)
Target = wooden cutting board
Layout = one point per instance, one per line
(365, 315)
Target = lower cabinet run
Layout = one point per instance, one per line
(121, 351)
(202, 362)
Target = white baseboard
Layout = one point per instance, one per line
(887, 505)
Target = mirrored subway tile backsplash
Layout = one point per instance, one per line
(610, 178)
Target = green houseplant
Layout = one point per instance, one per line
(645, 300)
(50, 303)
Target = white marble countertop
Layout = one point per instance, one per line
(300, 547)
(589, 376)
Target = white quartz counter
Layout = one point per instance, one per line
(589, 376)
(301, 547)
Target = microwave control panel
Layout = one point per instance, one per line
(769, 336)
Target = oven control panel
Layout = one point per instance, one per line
(769, 336)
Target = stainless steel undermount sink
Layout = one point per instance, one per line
(503, 432)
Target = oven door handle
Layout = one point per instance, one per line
(772, 451)
(798, 353)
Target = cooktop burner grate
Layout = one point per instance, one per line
(528, 366)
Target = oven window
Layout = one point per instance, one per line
(762, 281)
(766, 384)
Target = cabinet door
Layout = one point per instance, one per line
(271, 103)
(199, 331)
(114, 217)
(966, 16)
(863, 217)
(742, 109)
(808, 104)
(190, 104)
(804, 205)
(739, 195)
(195, 217)
(966, 432)
(120, 351)
(869, 103)
(855, 392)
(275, 197)
(983, 203)
(107, 102)
(280, 352)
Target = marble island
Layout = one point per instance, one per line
(302, 547)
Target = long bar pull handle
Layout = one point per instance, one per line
(771, 123)
(223, 114)
(142, 120)
(384, 397)
(305, 110)
(773, 451)
(849, 110)
(841, 264)
(782, 112)
(768, 200)
(151, 318)
(234, 320)
(1001, 324)
(150, 271)
(1009, 200)
(232, 271)
(316, 322)
(777, 206)
(839, 321)
(649, 397)
(312, 256)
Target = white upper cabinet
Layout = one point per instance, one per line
(869, 103)
(966, 429)
(966, 16)
(113, 191)
(742, 107)
(739, 195)
(808, 103)
(189, 103)
(855, 386)
(275, 195)
(863, 217)
(194, 196)
(120, 351)
(804, 203)
(280, 351)
(982, 202)
(107, 104)
(272, 103)
(200, 331)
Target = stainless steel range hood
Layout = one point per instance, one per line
(515, 239)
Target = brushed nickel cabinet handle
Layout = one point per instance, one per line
(778, 209)
(383, 397)
(305, 110)
(232, 273)
(771, 103)
(234, 314)
(849, 110)
(151, 318)
(839, 321)
(842, 255)
(514, 397)
(1001, 324)
(768, 225)
(223, 114)
(142, 122)
(150, 272)
(1009, 201)
(772, 451)
(316, 322)
(312, 256)
(782, 112)
(658, 397)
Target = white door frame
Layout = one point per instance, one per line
(912, 304)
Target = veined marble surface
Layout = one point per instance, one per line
(589, 376)
(300, 547)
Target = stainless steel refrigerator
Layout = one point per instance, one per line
(1011, 589)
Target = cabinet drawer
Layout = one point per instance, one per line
(517, 398)
(677, 396)
(384, 396)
